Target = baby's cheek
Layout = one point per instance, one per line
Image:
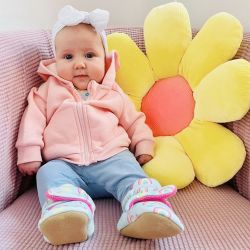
(64, 70)
(98, 74)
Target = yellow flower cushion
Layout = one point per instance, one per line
(185, 87)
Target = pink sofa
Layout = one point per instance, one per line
(215, 218)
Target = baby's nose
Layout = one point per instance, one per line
(80, 64)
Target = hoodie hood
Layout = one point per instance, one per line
(47, 68)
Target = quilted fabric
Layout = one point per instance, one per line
(213, 218)
(241, 128)
(242, 179)
(21, 53)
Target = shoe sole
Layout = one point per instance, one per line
(65, 228)
(151, 226)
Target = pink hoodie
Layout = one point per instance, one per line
(59, 124)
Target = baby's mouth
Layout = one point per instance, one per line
(80, 76)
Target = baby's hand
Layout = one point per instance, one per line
(142, 159)
(29, 168)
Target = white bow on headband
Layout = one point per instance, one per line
(69, 16)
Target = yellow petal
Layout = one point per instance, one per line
(216, 153)
(167, 35)
(170, 164)
(216, 43)
(135, 75)
(224, 94)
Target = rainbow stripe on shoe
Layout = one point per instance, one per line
(147, 214)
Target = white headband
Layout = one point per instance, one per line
(69, 16)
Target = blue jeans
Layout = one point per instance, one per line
(111, 177)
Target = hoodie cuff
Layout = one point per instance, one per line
(29, 154)
(145, 147)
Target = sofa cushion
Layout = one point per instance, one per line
(215, 218)
(241, 128)
(21, 53)
(242, 179)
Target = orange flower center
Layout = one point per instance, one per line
(169, 106)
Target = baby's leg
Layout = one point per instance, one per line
(67, 214)
(146, 212)
(116, 175)
(56, 173)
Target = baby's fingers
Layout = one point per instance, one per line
(22, 172)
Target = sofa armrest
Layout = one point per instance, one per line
(21, 52)
(242, 129)
(242, 179)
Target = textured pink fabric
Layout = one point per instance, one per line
(214, 218)
(136, 33)
(242, 179)
(20, 55)
(241, 128)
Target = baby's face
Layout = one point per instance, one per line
(80, 55)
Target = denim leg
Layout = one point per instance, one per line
(116, 174)
(58, 172)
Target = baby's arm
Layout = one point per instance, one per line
(143, 159)
(29, 168)
(30, 136)
(142, 141)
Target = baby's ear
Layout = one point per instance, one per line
(113, 56)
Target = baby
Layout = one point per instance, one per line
(91, 139)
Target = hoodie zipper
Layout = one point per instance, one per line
(85, 133)
(84, 154)
(80, 105)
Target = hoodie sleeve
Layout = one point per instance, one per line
(33, 122)
(142, 141)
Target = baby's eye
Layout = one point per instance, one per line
(89, 55)
(68, 57)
